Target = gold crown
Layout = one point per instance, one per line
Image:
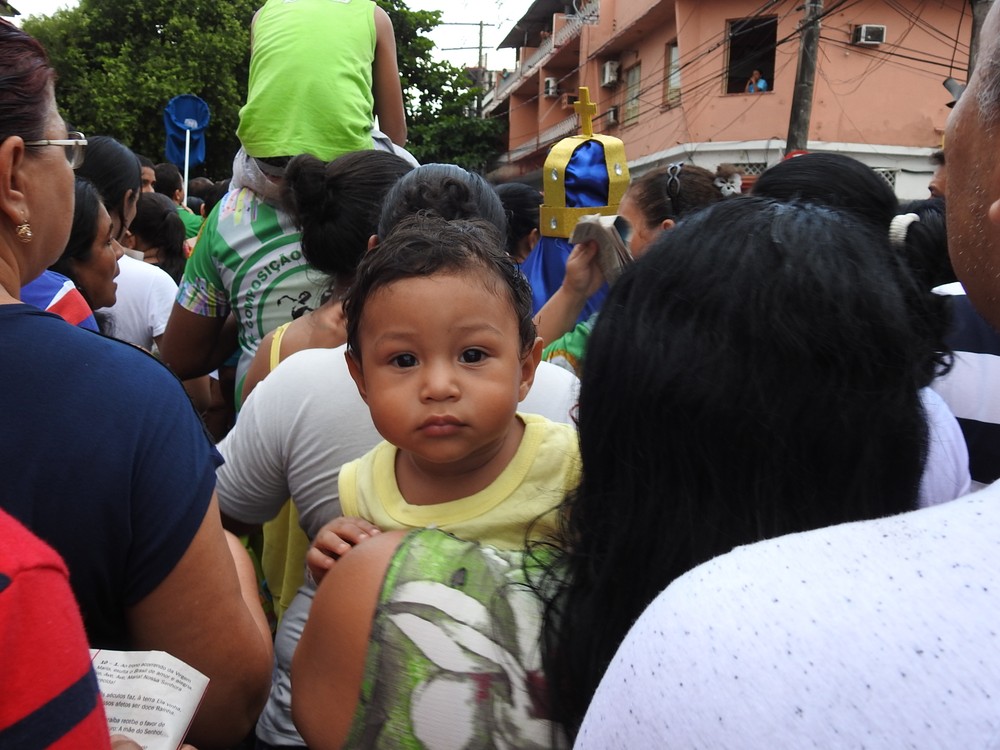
(556, 219)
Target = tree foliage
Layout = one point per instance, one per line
(440, 98)
(120, 62)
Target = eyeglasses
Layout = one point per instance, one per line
(74, 146)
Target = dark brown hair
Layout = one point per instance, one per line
(25, 78)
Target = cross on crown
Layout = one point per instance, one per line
(586, 109)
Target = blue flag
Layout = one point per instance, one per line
(185, 113)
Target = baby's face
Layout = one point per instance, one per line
(441, 367)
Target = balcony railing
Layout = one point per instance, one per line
(570, 30)
(561, 129)
(548, 136)
(543, 51)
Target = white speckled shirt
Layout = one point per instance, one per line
(878, 634)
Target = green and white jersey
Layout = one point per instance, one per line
(248, 261)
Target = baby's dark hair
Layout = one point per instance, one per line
(425, 245)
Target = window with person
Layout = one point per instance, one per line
(750, 67)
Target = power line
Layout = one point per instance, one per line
(655, 80)
(697, 53)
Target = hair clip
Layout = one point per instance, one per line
(898, 228)
(674, 179)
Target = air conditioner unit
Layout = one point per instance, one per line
(611, 116)
(551, 87)
(609, 73)
(566, 101)
(868, 34)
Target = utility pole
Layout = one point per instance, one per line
(479, 79)
(480, 75)
(805, 77)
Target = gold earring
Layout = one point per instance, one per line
(24, 233)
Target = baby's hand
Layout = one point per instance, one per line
(334, 540)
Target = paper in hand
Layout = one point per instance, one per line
(611, 233)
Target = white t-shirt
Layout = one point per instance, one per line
(877, 634)
(145, 298)
(946, 472)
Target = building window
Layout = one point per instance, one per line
(672, 81)
(633, 78)
(751, 48)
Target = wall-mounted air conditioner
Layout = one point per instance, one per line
(868, 34)
(551, 88)
(566, 101)
(611, 116)
(609, 73)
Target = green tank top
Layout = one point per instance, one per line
(310, 89)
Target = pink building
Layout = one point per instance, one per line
(670, 79)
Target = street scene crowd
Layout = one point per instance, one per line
(395, 464)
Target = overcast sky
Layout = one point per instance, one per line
(498, 16)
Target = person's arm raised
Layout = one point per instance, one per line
(583, 278)
(204, 614)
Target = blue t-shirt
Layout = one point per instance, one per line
(104, 458)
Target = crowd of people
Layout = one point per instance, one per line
(338, 458)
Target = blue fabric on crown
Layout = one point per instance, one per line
(586, 186)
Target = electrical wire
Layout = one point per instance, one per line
(958, 31)
(656, 75)
(697, 53)
(655, 79)
(887, 53)
(909, 15)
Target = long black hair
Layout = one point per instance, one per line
(158, 225)
(840, 182)
(116, 172)
(755, 374)
(83, 232)
(833, 180)
(522, 207)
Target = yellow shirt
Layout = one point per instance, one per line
(521, 503)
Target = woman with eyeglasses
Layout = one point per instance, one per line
(52, 291)
(104, 457)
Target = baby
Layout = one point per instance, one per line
(442, 347)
